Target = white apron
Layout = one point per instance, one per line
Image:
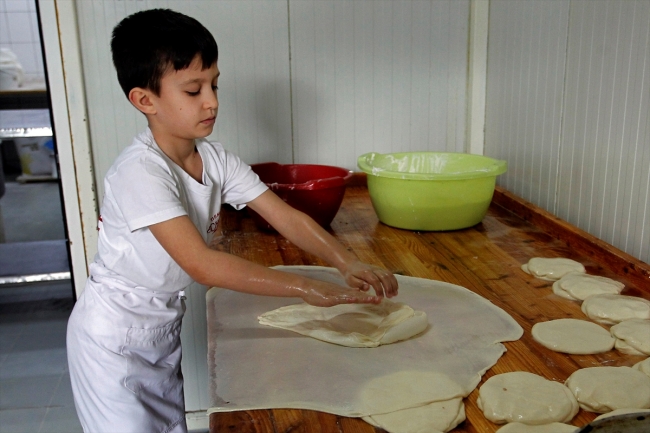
(124, 355)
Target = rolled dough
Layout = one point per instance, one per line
(350, 325)
(632, 336)
(525, 397)
(440, 416)
(603, 389)
(643, 366)
(578, 286)
(551, 269)
(578, 337)
(610, 309)
(253, 366)
(554, 427)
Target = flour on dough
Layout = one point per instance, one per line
(578, 286)
(643, 366)
(551, 269)
(632, 336)
(351, 325)
(554, 427)
(525, 397)
(621, 412)
(604, 389)
(440, 416)
(578, 337)
(610, 309)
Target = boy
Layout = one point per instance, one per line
(161, 195)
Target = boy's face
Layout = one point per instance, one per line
(187, 105)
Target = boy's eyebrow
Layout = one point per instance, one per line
(196, 80)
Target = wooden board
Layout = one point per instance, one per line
(485, 259)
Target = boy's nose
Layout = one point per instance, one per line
(211, 102)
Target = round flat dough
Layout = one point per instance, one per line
(610, 309)
(527, 398)
(554, 427)
(578, 287)
(578, 337)
(552, 269)
(632, 336)
(643, 366)
(604, 389)
(621, 412)
(350, 325)
(440, 416)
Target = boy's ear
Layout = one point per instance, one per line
(141, 99)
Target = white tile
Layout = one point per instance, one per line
(63, 396)
(4, 31)
(19, 27)
(28, 392)
(61, 420)
(17, 5)
(21, 420)
(39, 341)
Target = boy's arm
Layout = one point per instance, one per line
(180, 238)
(311, 237)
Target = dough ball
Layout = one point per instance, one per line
(527, 398)
(351, 325)
(578, 337)
(604, 389)
(620, 412)
(405, 390)
(610, 309)
(554, 427)
(643, 366)
(632, 336)
(552, 269)
(440, 416)
(577, 286)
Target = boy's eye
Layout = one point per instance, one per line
(215, 88)
(193, 93)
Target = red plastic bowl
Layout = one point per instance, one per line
(316, 190)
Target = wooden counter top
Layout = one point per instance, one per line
(485, 259)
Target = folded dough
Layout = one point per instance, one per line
(632, 336)
(554, 427)
(351, 325)
(643, 366)
(620, 412)
(604, 389)
(578, 337)
(440, 416)
(551, 269)
(610, 309)
(578, 286)
(525, 397)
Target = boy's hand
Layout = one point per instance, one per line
(363, 276)
(324, 294)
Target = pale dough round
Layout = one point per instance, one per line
(603, 389)
(526, 397)
(632, 336)
(350, 325)
(406, 389)
(440, 416)
(620, 412)
(643, 366)
(610, 309)
(577, 286)
(554, 427)
(551, 269)
(578, 337)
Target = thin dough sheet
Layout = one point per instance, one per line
(253, 366)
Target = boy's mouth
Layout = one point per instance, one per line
(209, 120)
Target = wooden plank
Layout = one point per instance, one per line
(486, 259)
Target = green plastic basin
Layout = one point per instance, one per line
(430, 191)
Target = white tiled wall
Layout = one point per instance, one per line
(19, 33)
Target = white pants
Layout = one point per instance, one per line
(124, 356)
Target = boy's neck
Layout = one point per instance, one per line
(182, 151)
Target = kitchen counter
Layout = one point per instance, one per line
(485, 259)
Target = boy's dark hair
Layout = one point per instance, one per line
(146, 44)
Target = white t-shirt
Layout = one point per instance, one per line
(145, 187)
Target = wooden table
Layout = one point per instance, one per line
(485, 259)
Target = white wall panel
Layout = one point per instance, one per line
(568, 106)
(381, 76)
